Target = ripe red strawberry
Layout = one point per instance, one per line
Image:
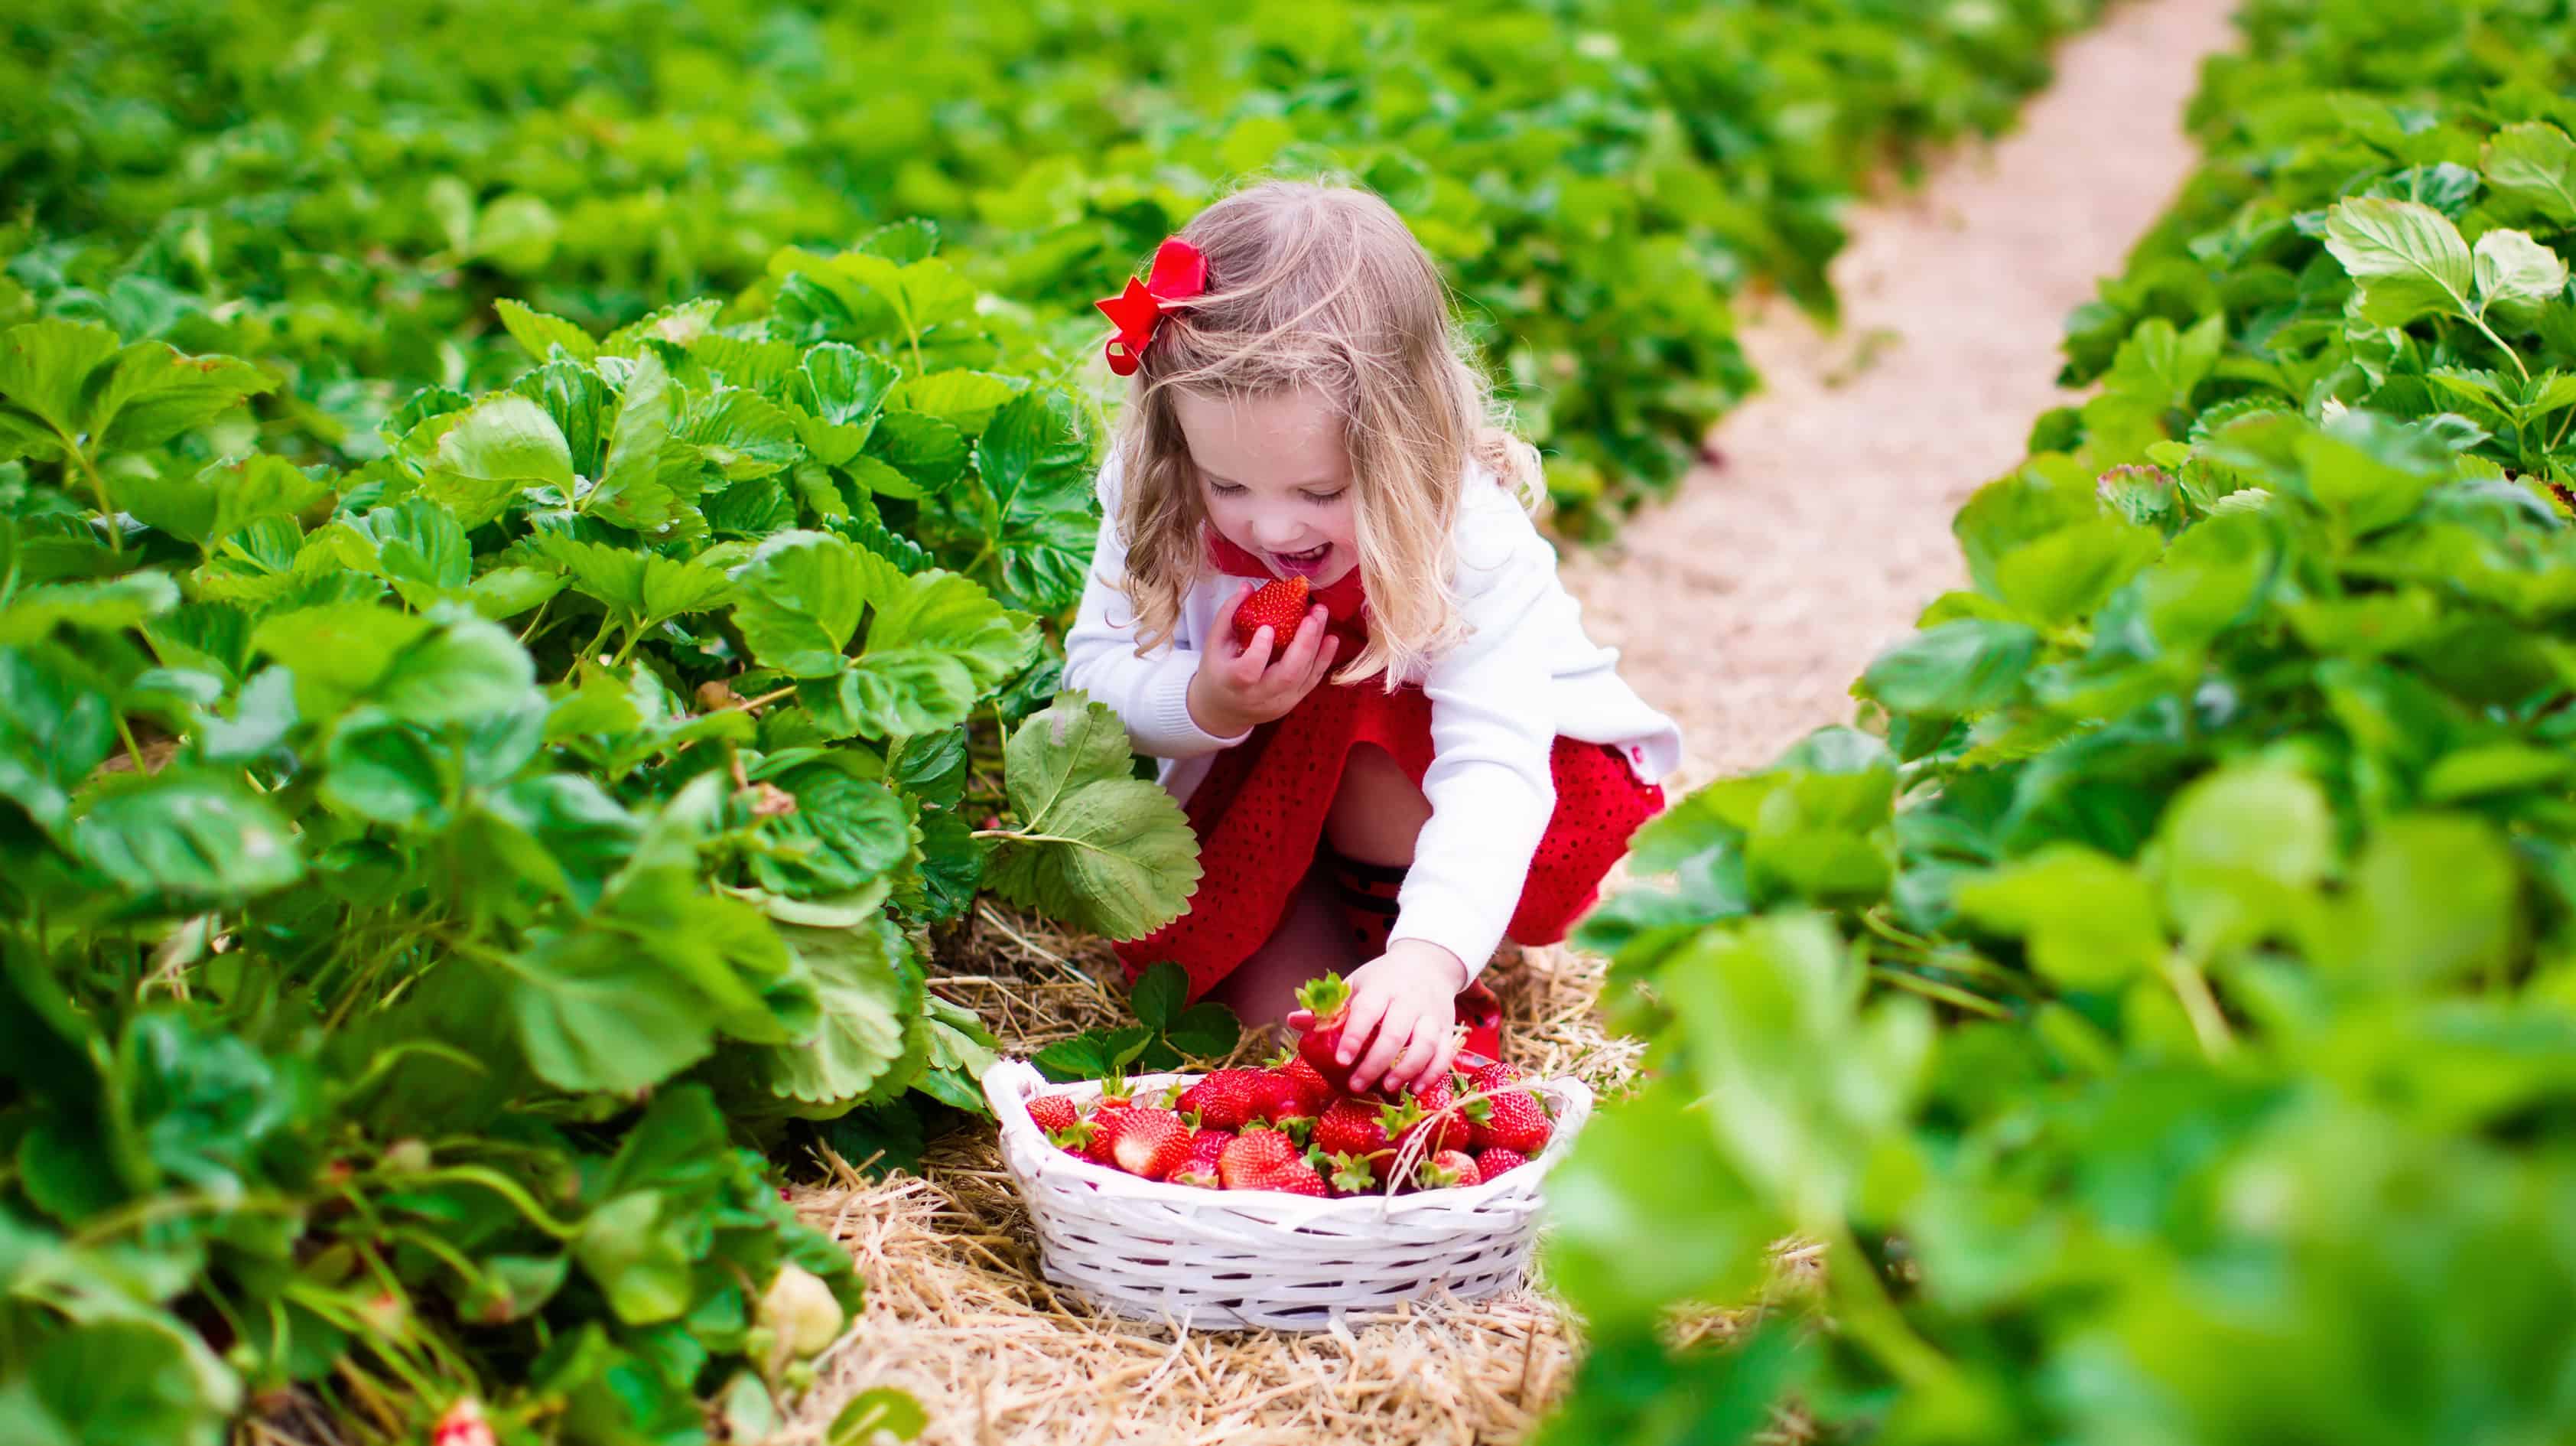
(1200, 1167)
(462, 1424)
(1054, 1112)
(1497, 1161)
(1441, 1115)
(1224, 1099)
(1148, 1143)
(1487, 1074)
(1280, 606)
(1311, 1087)
(1325, 998)
(1445, 1169)
(1267, 1160)
(1348, 1175)
(1510, 1117)
(1352, 1126)
(1283, 1100)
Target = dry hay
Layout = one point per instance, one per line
(958, 1314)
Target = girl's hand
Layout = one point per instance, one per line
(1402, 1021)
(1239, 687)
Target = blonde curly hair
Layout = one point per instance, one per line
(1320, 286)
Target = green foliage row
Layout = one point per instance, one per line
(420, 882)
(2163, 1007)
(341, 192)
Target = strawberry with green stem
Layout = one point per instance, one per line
(1447, 1169)
(1347, 1175)
(1328, 999)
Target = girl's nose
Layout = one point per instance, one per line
(1284, 534)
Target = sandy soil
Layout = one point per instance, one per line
(1745, 608)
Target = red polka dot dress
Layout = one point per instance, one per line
(1259, 816)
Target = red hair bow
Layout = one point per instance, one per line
(1180, 272)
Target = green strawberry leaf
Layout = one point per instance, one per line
(154, 393)
(221, 498)
(964, 399)
(1095, 845)
(741, 434)
(1159, 994)
(799, 599)
(872, 993)
(2533, 165)
(1036, 463)
(541, 333)
(1955, 669)
(927, 452)
(501, 446)
(45, 368)
(195, 836)
(2408, 258)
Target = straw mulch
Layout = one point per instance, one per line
(959, 1315)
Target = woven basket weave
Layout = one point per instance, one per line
(1221, 1259)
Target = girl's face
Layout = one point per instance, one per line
(1276, 478)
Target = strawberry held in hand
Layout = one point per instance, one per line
(1327, 999)
(1280, 606)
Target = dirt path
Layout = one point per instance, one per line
(1748, 606)
(1745, 608)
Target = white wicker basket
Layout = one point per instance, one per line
(1222, 1259)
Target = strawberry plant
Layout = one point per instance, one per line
(2162, 998)
(345, 195)
(423, 886)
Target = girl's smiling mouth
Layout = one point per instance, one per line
(1309, 563)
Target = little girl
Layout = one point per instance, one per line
(1436, 756)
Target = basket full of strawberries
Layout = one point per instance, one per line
(1269, 1197)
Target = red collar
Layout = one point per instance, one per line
(1345, 603)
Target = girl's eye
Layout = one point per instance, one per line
(1225, 489)
(1320, 497)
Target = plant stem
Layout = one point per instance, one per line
(98, 484)
(134, 751)
(1013, 835)
(2208, 1021)
(2509, 354)
(1865, 1313)
(1946, 993)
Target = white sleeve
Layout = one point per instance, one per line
(1149, 694)
(1491, 785)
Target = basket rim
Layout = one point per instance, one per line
(1009, 1082)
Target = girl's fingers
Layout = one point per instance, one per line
(1300, 1020)
(1392, 1038)
(1413, 1067)
(1300, 655)
(1223, 644)
(1255, 657)
(1366, 1008)
(1442, 1057)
